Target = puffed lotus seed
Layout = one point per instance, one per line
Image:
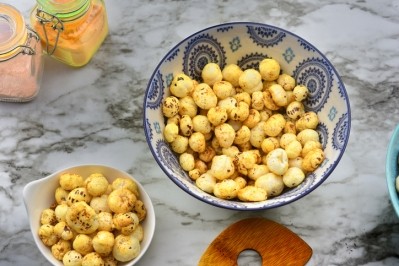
(170, 132)
(206, 182)
(312, 160)
(295, 109)
(277, 161)
(170, 106)
(279, 95)
(217, 115)
(273, 184)
(310, 145)
(257, 135)
(286, 139)
(268, 101)
(187, 161)
(204, 96)
(243, 125)
(243, 97)
(257, 170)
(270, 143)
(180, 144)
(253, 118)
(240, 113)
(223, 89)
(232, 73)
(307, 135)
(293, 177)
(197, 142)
(286, 81)
(222, 167)
(269, 69)
(207, 155)
(242, 135)
(293, 149)
(225, 135)
(211, 73)
(307, 120)
(186, 126)
(250, 81)
(226, 189)
(300, 93)
(274, 125)
(257, 101)
(187, 106)
(201, 124)
(252, 194)
(181, 85)
(229, 103)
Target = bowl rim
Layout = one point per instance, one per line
(391, 168)
(229, 206)
(34, 183)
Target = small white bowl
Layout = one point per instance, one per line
(246, 44)
(39, 195)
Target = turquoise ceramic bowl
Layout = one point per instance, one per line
(391, 168)
(246, 44)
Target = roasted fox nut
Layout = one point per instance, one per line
(127, 183)
(121, 200)
(72, 258)
(126, 248)
(78, 194)
(82, 218)
(70, 181)
(96, 184)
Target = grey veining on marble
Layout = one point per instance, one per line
(94, 115)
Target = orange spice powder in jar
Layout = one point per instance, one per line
(21, 64)
(71, 31)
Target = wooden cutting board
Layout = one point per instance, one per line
(275, 243)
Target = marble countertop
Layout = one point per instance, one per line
(94, 115)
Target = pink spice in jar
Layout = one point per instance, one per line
(21, 65)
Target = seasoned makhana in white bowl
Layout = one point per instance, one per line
(71, 210)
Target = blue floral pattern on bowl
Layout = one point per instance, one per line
(245, 44)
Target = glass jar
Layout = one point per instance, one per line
(70, 30)
(21, 64)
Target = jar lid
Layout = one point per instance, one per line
(12, 30)
(64, 9)
(6, 29)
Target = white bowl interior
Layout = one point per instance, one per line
(39, 195)
(246, 44)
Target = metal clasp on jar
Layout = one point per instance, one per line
(26, 48)
(43, 17)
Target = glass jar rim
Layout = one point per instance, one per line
(16, 24)
(64, 9)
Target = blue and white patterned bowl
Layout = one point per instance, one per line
(245, 44)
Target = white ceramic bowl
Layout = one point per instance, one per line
(245, 44)
(39, 195)
(392, 168)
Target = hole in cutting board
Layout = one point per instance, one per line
(249, 257)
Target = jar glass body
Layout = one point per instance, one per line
(71, 35)
(21, 64)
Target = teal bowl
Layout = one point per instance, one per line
(391, 168)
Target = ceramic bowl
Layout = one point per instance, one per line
(391, 168)
(245, 44)
(39, 195)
